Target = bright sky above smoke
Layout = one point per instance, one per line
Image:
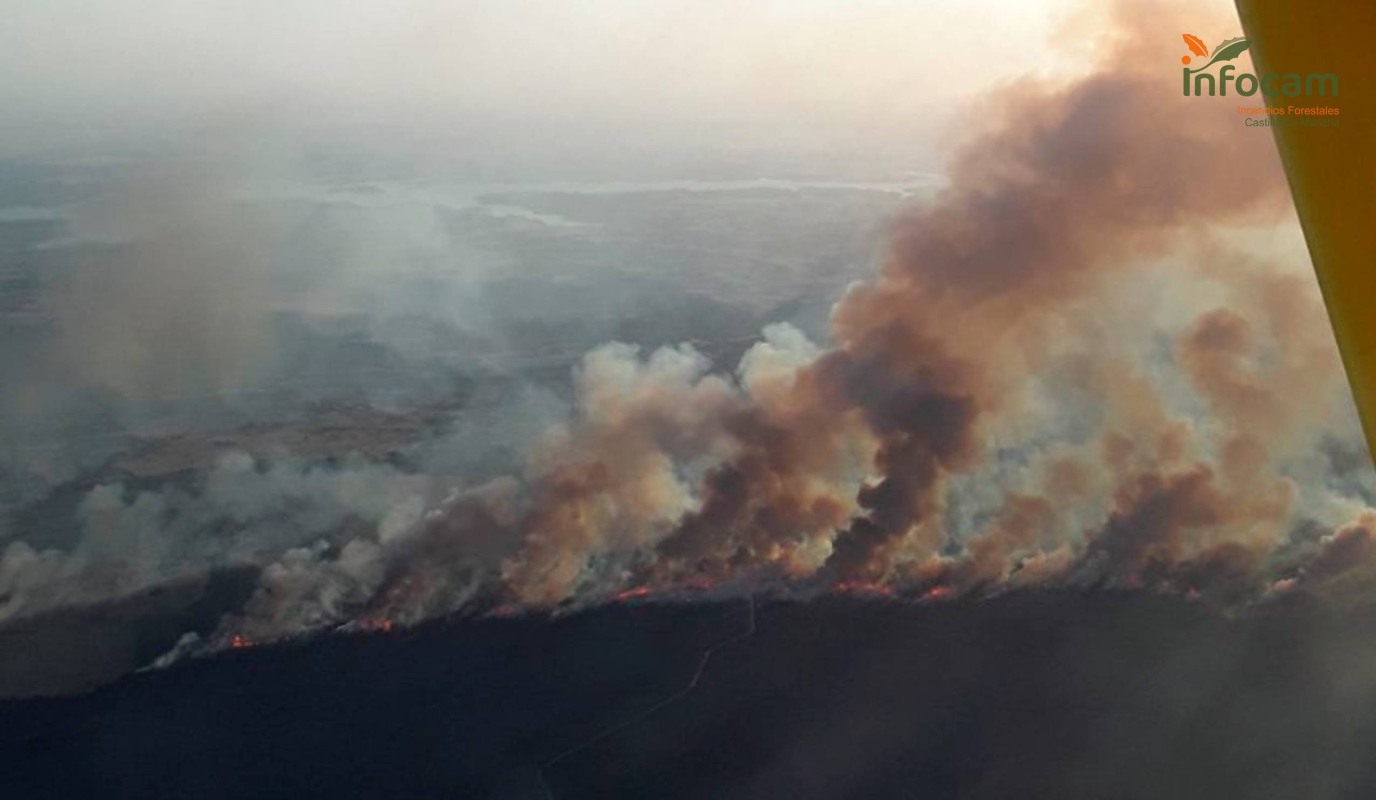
(672, 71)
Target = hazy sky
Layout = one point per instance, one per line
(541, 74)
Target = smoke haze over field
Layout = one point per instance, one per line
(1090, 355)
(839, 465)
(497, 85)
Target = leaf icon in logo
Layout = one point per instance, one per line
(1195, 44)
(1227, 50)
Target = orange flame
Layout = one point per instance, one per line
(863, 587)
(634, 593)
(937, 593)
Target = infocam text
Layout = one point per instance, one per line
(1248, 84)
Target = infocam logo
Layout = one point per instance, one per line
(1197, 81)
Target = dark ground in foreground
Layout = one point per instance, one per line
(1025, 696)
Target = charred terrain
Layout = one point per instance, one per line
(1027, 695)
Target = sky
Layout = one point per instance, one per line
(538, 77)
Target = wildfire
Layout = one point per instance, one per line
(699, 583)
(634, 593)
(936, 593)
(240, 641)
(863, 587)
(376, 625)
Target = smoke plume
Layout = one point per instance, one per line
(1009, 309)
